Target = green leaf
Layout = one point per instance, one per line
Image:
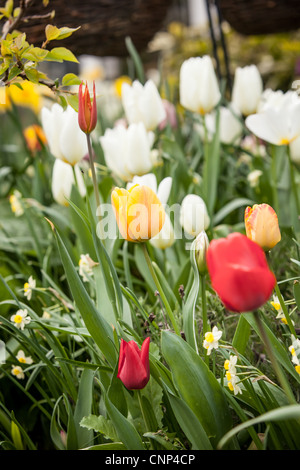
(99, 329)
(61, 54)
(197, 386)
(70, 79)
(83, 407)
(241, 335)
(189, 306)
(124, 428)
(281, 414)
(190, 424)
(230, 207)
(278, 348)
(100, 424)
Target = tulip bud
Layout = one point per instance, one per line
(193, 215)
(133, 367)
(143, 104)
(62, 181)
(87, 112)
(64, 137)
(261, 223)
(199, 88)
(247, 89)
(127, 151)
(201, 247)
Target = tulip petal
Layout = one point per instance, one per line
(242, 289)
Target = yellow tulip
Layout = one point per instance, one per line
(261, 223)
(139, 213)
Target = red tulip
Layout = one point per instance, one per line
(239, 272)
(87, 111)
(134, 370)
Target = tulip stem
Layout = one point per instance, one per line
(294, 186)
(160, 290)
(138, 392)
(277, 368)
(94, 178)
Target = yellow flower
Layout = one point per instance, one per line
(29, 96)
(261, 223)
(139, 213)
(119, 83)
(35, 137)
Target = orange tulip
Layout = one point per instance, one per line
(261, 223)
(35, 137)
(139, 213)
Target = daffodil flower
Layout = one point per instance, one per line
(211, 340)
(23, 359)
(21, 319)
(28, 287)
(17, 371)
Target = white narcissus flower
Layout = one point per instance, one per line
(28, 287)
(65, 139)
(278, 125)
(63, 180)
(198, 85)
(23, 359)
(165, 238)
(253, 177)
(127, 151)
(17, 371)
(142, 103)
(21, 319)
(86, 265)
(211, 339)
(247, 89)
(15, 203)
(193, 215)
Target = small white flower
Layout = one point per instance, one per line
(23, 359)
(233, 385)
(28, 287)
(229, 364)
(15, 203)
(280, 314)
(211, 340)
(20, 319)
(86, 267)
(253, 177)
(295, 350)
(17, 371)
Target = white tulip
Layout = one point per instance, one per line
(198, 85)
(230, 126)
(64, 136)
(143, 104)
(247, 89)
(127, 151)
(295, 150)
(276, 99)
(165, 238)
(193, 215)
(63, 180)
(277, 125)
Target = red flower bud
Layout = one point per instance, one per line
(239, 272)
(133, 369)
(87, 111)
